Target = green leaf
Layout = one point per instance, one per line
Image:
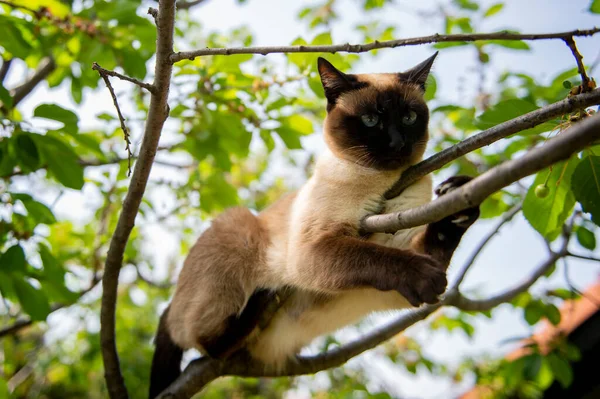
(532, 366)
(561, 369)
(4, 392)
(467, 5)
(62, 161)
(544, 377)
(512, 44)
(586, 238)
(552, 314)
(290, 137)
(38, 211)
(7, 161)
(13, 39)
(586, 186)
(5, 97)
(431, 88)
(547, 215)
(507, 110)
(493, 10)
(533, 312)
(33, 301)
(26, 152)
(315, 85)
(595, 7)
(58, 113)
(52, 269)
(7, 287)
(299, 123)
(444, 45)
(13, 260)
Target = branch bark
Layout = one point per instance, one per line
(507, 217)
(585, 80)
(104, 75)
(107, 72)
(361, 48)
(47, 67)
(186, 5)
(473, 193)
(5, 68)
(492, 135)
(157, 113)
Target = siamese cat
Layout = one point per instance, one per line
(376, 127)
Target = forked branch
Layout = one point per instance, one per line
(158, 112)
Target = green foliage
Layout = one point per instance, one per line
(235, 123)
(548, 214)
(585, 184)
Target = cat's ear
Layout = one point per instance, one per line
(334, 82)
(419, 73)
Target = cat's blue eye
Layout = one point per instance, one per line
(370, 120)
(409, 118)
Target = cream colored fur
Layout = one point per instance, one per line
(309, 314)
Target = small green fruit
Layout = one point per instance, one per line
(542, 191)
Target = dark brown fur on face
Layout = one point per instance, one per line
(395, 101)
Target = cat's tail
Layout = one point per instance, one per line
(166, 362)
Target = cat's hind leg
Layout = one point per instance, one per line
(217, 283)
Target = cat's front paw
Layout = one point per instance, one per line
(466, 217)
(423, 280)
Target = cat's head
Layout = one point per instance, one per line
(377, 120)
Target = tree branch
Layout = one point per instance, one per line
(473, 193)
(361, 48)
(157, 114)
(186, 5)
(204, 370)
(585, 80)
(107, 72)
(505, 219)
(4, 69)
(481, 305)
(584, 257)
(103, 73)
(492, 135)
(47, 66)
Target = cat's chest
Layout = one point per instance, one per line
(416, 195)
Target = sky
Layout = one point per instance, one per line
(516, 250)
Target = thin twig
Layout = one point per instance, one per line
(47, 66)
(481, 305)
(18, 6)
(186, 5)
(584, 257)
(505, 219)
(108, 72)
(158, 111)
(126, 136)
(360, 48)
(585, 80)
(574, 139)
(492, 135)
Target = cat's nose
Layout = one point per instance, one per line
(396, 139)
